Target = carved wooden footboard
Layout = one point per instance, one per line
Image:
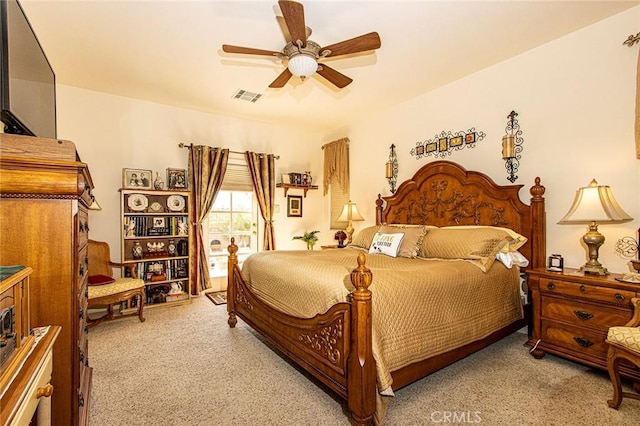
(336, 346)
(327, 345)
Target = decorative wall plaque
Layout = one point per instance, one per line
(444, 143)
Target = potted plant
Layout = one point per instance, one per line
(309, 238)
(340, 236)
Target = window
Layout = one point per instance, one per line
(233, 215)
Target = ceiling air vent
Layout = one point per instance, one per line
(243, 95)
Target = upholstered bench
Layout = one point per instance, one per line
(624, 343)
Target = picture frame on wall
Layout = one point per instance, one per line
(136, 179)
(294, 205)
(177, 179)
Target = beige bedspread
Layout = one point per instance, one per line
(421, 308)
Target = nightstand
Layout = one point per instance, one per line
(572, 313)
(331, 247)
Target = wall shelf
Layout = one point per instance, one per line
(288, 186)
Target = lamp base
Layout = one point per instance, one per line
(593, 239)
(594, 269)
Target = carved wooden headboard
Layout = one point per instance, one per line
(443, 193)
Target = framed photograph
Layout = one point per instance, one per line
(158, 222)
(136, 179)
(285, 178)
(294, 205)
(177, 179)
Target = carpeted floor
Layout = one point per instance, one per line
(185, 366)
(217, 297)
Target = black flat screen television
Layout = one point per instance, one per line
(28, 83)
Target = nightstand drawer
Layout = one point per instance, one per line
(583, 314)
(575, 338)
(603, 294)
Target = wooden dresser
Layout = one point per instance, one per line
(572, 313)
(45, 195)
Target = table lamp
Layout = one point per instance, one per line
(594, 203)
(349, 213)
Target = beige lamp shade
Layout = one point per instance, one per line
(595, 203)
(350, 212)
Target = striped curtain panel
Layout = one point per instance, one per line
(207, 167)
(262, 168)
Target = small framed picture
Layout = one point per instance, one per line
(470, 137)
(443, 144)
(158, 222)
(556, 263)
(136, 179)
(455, 141)
(177, 179)
(285, 178)
(294, 205)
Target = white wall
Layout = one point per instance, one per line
(575, 97)
(112, 133)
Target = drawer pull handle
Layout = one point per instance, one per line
(583, 288)
(45, 391)
(619, 298)
(585, 343)
(583, 315)
(551, 286)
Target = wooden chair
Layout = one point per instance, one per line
(624, 344)
(116, 292)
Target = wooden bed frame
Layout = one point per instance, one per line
(336, 346)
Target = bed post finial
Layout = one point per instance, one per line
(379, 203)
(231, 265)
(361, 380)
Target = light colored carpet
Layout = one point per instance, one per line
(176, 369)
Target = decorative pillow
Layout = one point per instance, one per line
(100, 279)
(515, 242)
(412, 241)
(388, 244)
(477, 245)
(364, 238)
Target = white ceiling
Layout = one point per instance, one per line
(170, 51)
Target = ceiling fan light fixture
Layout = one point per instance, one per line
(302, 65)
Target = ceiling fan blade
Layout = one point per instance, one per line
(281, 80)
(337, 79)
(248, 50)
(293, 13)
(362, 43)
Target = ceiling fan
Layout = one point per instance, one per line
(303, 55)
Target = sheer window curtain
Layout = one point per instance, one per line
(207, 167)
(262, 169)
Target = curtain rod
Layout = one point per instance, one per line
(184, 145)
(329, 143)
(632, 39)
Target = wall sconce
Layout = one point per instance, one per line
(512, 146)
(594, 203)
(391, 169)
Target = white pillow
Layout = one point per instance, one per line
(386, 243)
(512, 258)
